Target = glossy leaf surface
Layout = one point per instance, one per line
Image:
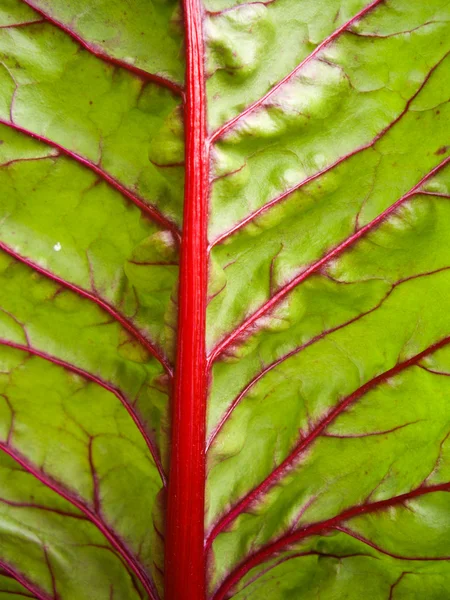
(322, 183)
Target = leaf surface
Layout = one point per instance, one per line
(269, 416)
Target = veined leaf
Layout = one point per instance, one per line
(224, 299)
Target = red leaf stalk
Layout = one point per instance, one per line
(185, 555)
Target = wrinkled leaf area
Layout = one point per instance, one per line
(328, 307)
(88, 286)
(329, 420)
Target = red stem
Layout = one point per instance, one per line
(185, 556)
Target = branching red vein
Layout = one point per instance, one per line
(338, 557)
(28, 585)
(363, 540)
(284, 559)
(99, 53)
(110, 388)
(290, 461)
(56, 511)
(22, 24)
(52, 574)
(129, 560)
(126, 324)
(227, 126)
(21, 594)
(150, 211)
(271, 549)
(302, 347)
(95, 479)
(282, 293)
(226, 234)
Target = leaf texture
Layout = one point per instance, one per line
(298, 154)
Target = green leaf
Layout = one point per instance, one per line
(224, 299)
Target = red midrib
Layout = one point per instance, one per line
(184, 554)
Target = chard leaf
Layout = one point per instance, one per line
(224, 299)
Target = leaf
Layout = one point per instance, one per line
(224, 314)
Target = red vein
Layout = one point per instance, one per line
(289, 462)
(280, 295)
(33, 159)
(95, 479)
(56, 511)
(396, 583)
(110, 388)
(21, 594)
(266, 552)
(284, 559)
(22, 24)
(226, 234)
(96, 51)
(126, 324)
(28, 585)
(438, 194)
(127, 557)
(150, 211)
(395, 34)
(353, 436)
(338, 557)
(364, 540)
(275, 364)
(227, 126)
(153, 263)
(52, 574)
(305, 345)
